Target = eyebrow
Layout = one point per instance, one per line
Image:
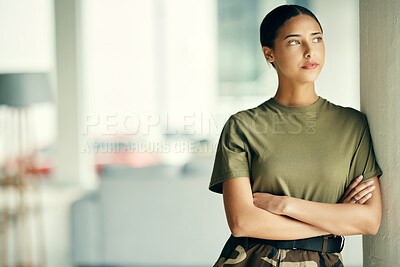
(297, 35)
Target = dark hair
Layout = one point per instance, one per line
(274, 20)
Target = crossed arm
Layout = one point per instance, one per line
(285, 218)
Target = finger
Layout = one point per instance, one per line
(359, 188)
(349, 199)
(364, 199)
(368, 182)
(352, 186)
(346, 196)
(364, 192)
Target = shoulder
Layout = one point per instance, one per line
(347, 115)
(247, 117)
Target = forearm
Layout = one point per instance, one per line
(339, 219)
(260, 223)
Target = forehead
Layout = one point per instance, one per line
(301, 24)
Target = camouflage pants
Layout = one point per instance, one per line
(237, 252)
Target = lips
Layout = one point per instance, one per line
(310, 65)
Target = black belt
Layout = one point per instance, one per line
(326, 244)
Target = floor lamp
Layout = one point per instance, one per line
(17, 92)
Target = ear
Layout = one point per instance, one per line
(268, 53)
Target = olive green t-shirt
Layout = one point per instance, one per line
(311, 152)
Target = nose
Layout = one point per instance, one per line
(307, 50)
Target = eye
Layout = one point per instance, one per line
(318, 38)
(293, 42)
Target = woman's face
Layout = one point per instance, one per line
(298, 42)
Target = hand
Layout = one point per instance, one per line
(361, 191)
(269, 202)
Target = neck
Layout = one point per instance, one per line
(296, 94)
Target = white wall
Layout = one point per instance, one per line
(380, 98)
(339, 80)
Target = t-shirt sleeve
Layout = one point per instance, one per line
(231, 158)
(364, 161)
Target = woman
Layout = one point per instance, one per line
(290, 169)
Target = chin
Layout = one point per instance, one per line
(309, 78)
